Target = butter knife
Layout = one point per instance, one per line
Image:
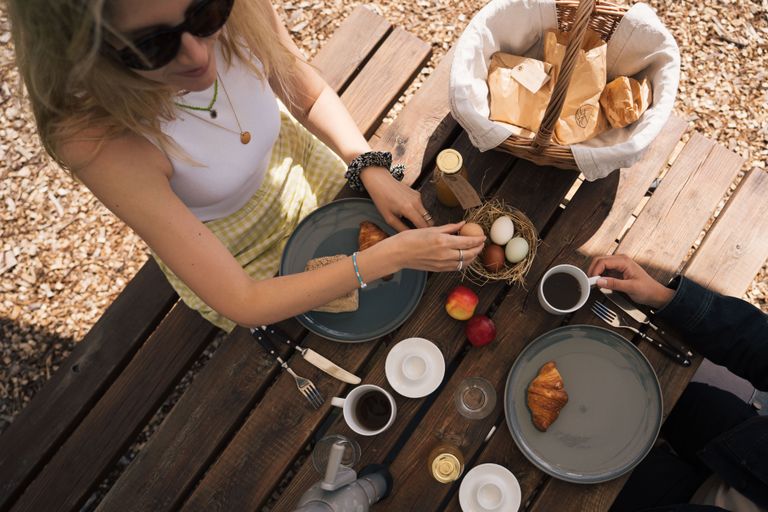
(629, 308)
(311, 356)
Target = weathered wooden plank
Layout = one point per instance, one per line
(198, 426)
(84, 458)
(591, 222)
(737, 244)
(688, 193)
(666, 229)
(351, 46)
(534, 190)
(385, 76)
(423, 128)
(36, 433)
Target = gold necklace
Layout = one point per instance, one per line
(245, 136)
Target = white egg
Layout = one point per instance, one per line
(502, 230)
(516, 250)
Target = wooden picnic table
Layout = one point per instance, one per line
(237, 437)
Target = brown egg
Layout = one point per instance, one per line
(471, 229)
(493, 257)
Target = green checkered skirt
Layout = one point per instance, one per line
(303, 174)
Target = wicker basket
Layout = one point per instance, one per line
(572, 16)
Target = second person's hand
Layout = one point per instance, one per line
(634, 280)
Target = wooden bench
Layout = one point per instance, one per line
(234, 438)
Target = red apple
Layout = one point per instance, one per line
(461, 303)
(480, 330)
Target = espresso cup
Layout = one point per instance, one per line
(584, 285)
(368, 409)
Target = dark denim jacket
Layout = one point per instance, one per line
(734, 334)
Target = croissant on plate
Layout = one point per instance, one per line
(546, 396)
(370, 235)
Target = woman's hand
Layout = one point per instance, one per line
(634, 280)
(435, 249)
(394, 199)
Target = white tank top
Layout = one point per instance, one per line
(229, 172)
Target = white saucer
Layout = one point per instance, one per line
(489, 488)
(415, 367)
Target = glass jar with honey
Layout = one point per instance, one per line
(446, 463)
(449, 162)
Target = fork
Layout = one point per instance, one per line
(306, 387)
(610, 317)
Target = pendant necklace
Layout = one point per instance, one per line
(245, 136)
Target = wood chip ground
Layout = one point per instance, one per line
(64, 258)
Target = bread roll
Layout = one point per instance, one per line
(344, 304)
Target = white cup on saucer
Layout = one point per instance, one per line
(365, 404)
(584, 285)
(490, 488)
(415, 367)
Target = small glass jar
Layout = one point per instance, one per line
(446, 463)
(449, 162)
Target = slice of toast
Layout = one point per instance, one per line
(345, 303)
(370, 235)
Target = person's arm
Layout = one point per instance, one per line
(320, 109)
(726, 330)
(131, 177)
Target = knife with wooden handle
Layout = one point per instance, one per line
(311, 356)
(629, 308)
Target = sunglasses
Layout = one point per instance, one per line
(156, 49)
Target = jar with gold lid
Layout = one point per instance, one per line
(446, 463)
(449, 162)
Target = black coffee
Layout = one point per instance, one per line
(562, 290)
(373, 410)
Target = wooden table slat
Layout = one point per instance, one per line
(681, 206)
(350, 47)
(735, 246)
(385, 76)
(81, 462)
(41, 427)
(423, 128)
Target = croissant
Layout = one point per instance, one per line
(546, 396)
(370, 235)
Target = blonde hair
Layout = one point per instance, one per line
(73, 87)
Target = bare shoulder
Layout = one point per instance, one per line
(96, 156)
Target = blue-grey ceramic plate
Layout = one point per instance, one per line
(384, 305)
(614, 408)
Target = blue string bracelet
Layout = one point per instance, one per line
(360, 281)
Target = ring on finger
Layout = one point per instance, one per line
(461, 265)
(461, 255)
(427, 216)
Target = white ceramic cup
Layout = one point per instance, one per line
(585, 283)
(414, 367)
(489, 496)
(349, 404)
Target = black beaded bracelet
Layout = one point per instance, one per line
(372, 159)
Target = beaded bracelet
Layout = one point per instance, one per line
(360, 281)
(372, 159)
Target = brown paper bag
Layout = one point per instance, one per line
(519, 89)
(624, 100)
(581, 118)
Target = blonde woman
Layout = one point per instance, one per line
(168, 112)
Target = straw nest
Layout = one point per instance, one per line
(485, 215)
